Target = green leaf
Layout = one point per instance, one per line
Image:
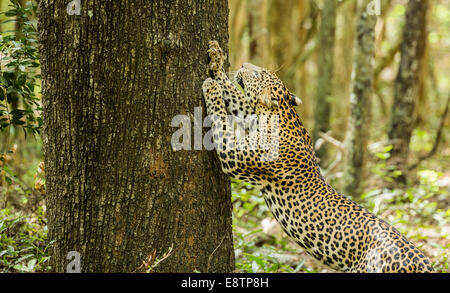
(383, 156)
(256, 259)
(8, 180)
(410, 195)
(387, 149)
(24, 257)
(31, 264)
(12, 12)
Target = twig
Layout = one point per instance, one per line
(325, 137)
(152, 261)
(210, 256)
(332, 140)
(333, 165)
(387, 60)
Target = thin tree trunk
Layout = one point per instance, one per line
(256, 17)
(301, 80)
(407, 84)
(360, 101)
(326, 40)
(118, 194)
(280, 29)
(343, 65)
(19, 23)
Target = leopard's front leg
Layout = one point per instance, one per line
(222, 134)
(233, 98)
(230, 150)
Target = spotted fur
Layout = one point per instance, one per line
(327, 225)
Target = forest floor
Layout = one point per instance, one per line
(421, 212)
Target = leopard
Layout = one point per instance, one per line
(279, 159)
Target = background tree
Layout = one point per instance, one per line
(343, 65)
(280, 42)
(113, 79)
(360, 102)
(258, 35)
(322, 109)
(407, 84)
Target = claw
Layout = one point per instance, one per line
(213, 43)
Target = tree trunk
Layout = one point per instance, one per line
(326, 40)
(343, 66)
(118, 194)
(360, 101)
(280, 34)
(407, 84)
(256, 17)
(19, 22)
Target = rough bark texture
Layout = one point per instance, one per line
(360, 101)
(113, 79)
(322, 109)
(407, 83)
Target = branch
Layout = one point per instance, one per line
(437, 139)
(325, 137)
(387, 59)
(333, 165)
(328, 138)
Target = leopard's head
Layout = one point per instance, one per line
(263, 88)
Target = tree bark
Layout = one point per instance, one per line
(113, 79)
(360, 101)
(407, 84)
(326, 41)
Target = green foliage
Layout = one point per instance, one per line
(19, 63)
(421, 141)
(248, 201)
(415, 205)
(254, 259)
(23, 245)
(19, 79)
(420, 212)
(384, 170)
(23, 233)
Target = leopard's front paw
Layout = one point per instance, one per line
(216, 55)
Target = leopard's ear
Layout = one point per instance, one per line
(268, 99)
(294, 100)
